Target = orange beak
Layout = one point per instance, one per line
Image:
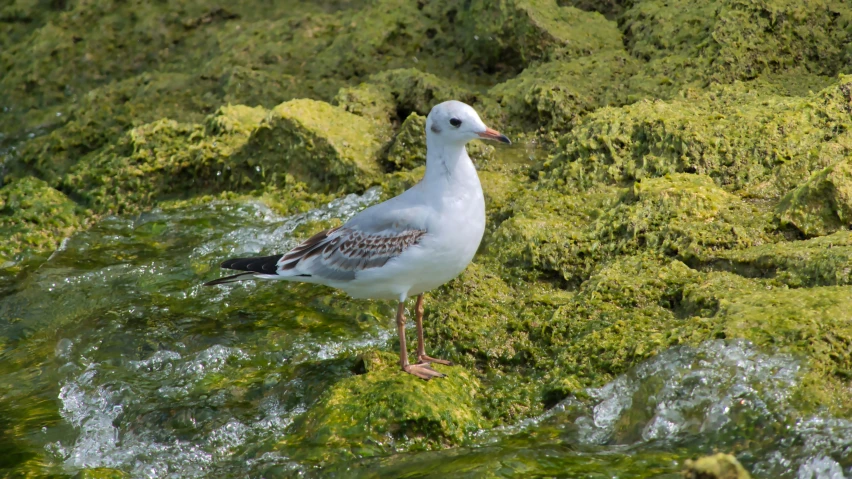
(490, 134)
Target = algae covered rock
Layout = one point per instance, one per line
(688, 43)
(509, 34)
(821, 205)
(34, 217)
(390, 96)
(821, 261)
(370, 413)
(739, 136)
(317, 143)
(166, 159)
(552, 96)
(719, 466)
(681, 215)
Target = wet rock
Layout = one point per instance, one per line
(719, 466)
(317, 143)
(821, 205)
(384, 408)
(710, 133)
(510, 34)
(34, 218)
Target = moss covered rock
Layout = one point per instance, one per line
(821, 205)
(370, 413)
(319, 144)
(389, 97)
(164, 159)
(718, 466)
(509, 34)
(680, 215)
(34, 217)
(739, 136)
(698, 43)
(552, 96)
(821, 261)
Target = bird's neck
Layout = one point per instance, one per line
(449, 167)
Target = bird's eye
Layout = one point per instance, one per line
(455, 122)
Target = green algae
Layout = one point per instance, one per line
(514, 33)
(700, 43)
(551, 97)
(317, 143)
(822, 204)
(390, 96)
(718, 466)
(367, 414)
(821, 261)
(34, 218)
(739, 136)
(680, 215)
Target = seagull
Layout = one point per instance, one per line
(405, 246)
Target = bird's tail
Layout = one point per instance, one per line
(261, 265)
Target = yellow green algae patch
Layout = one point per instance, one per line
(550, 97)
(382, 409)
(34, 217)
(319, 144)
(510, 34)
(681, 215)
(689, 43)
(821, 205)
(740, 136)
(717, 466)
(821, 261)
(390, 96)
(238, 148)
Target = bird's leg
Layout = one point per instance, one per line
(422, 358)
(422, 371)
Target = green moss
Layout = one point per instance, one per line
(690, 43)
(103, 114)
(552, 96)
(681, 215)
(389, 97)
(821, 205)
(34, 218)
(511, 34)
(741, 137)
(822, 261)
(100, 473)
(240, 148)
(153, 162)
(718, 466)
(319, 144)
(383, 409)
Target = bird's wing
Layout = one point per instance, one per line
(339, 253)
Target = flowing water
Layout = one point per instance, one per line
(119, 358)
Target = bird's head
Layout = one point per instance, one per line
(457, 122)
